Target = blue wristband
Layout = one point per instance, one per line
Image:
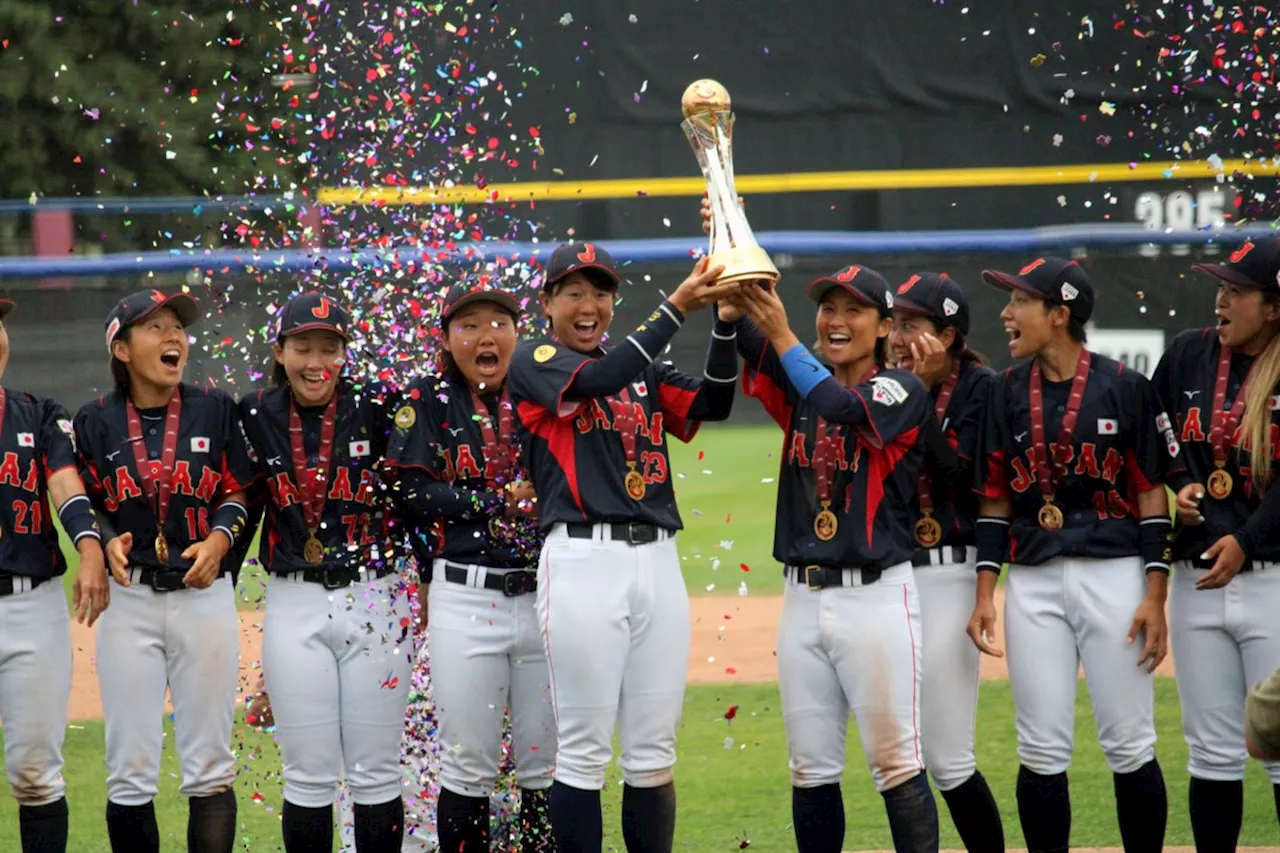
(231, 518)
(804, 371)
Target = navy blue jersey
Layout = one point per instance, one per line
(352, 520)
(36, 441)
(878, 432)
(1185, 380)
(211, 463)
(445, 479)
(574, 447)
(955, 505)
(1118, 451)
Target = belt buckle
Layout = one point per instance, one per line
(167, 581)
(633, 526)
(335, 578)
(517, 583)
(808, 577)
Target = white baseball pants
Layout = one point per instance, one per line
(1224, 642)
(1058, 615)
(855, 648)
(615, 621)
(188, 641)
(35, 685)
(338, 665)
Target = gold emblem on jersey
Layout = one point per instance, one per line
(1220, 484)
(634, 483)
(406, 417)
(313, 551)
(1050, 517)
(162, 549)
(826, 524)
(544, 353)
(928, 532)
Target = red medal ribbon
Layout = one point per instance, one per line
(824, 460)
(1225, 424)
(924, 483)
(625, 423)
(498, 447)
(156, 493)
(1050, 480)
(310, 497)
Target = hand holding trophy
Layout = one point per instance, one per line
(708, 125)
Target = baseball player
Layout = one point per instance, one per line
(336, 650)
(930, 322)
(1221, 385)
(849, 637)
(457, 465)
(165, 465)
(611, 600)
(38, 472)
(1078, 451)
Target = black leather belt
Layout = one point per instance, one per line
(952, 553)
(509, 582)
(822, 577)
(6, 584)
(336, 577)
(166, 580)
(631, 532)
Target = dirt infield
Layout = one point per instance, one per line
(733, 640)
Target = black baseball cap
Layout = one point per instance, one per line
(138, 306)
(1056, 281)
(312, 310)
(1255, 264)
(574, 257)
(864, 283)
(937, 296)
(6, 305)
(459, 297)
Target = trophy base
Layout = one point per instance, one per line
(745, 263)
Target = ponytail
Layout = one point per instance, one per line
(1255, 430)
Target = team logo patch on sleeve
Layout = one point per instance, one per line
(406, 417)
(888, 391)
(1108, 426)
(200, 444)
(26, 439)
(358, 448)
(544, 353)
(69, 431)
(1163, 423)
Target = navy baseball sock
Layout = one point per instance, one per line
(44, 828)
(306, 829)
(1217, 812)
(576, 822)
(976, 816)
(211, 823)
(380, 828)
(649, 818)
(535, 822)
(818, 817)
(1142, 807)
(1044, 807)
(463, 822)
(132, 829)
(913, 816)
(1275, 793)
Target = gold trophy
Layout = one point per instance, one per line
(708, 125)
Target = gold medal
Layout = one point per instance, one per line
(928, 532)
(826, 524)
(1050, 516)
(635, 484)
(1220, 484)
(313, 551)
(162, 549)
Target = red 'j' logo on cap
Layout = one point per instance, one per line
(1238, 255)
(322, 310)
(906, 285)
(848, 274)
(1038, 262)
(588, 254)
(157, 296)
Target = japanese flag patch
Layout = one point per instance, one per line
(200, 444)
(1108, 426)
(888, 391)
(358, 448)
(1274, 402)
(641, 388)
(26, 439)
